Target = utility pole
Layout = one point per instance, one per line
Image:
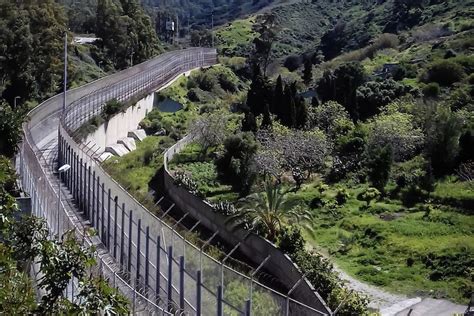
(177, 28)
(212, 27)
(65, 71)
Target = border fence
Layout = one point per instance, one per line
(157, 268)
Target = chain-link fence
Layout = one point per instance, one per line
(140, 254)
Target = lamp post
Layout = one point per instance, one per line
(14, 101)
(61, 170)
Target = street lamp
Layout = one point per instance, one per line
(14, 101)
(61, 170)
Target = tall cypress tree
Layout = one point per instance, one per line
(278, 99)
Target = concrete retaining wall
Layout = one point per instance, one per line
(254, 247)
(118, 126)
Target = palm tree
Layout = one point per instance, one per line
(269, 210)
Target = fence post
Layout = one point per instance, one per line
(102, 214)
(170, 277)
(158, 269)
(181, 283)
(130, 223)
(97, 209)
(88, 210)
(247, 308)
(219, 301)
(92, 210)
(122, 234)
(139, 233)
(147, 264)
(115, 227)
(81, 186)
(108, 218)
(198, 293)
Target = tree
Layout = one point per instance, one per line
(308, 72)
(26, 240)
(269, 211)
(341, 86)
(332, 118)
(267, 29)
(235, 164)
(301, 152)
(442, 132)
(125, 31)
(379, 165)
(278, 102)
(31, 41)
(11, 121)
(398, 131)
(373, 95)
(209, 130)
(249, 123)
(259, 95)
(445, 72)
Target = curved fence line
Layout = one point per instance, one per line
(138, 248)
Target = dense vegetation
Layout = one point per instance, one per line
(25, 241)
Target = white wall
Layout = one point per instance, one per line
(118, 126)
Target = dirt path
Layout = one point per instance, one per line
(390, 304)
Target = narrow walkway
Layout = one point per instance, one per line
(105, 262)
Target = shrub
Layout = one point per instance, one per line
(293, 62)
(470, 79)
(445, 72)
(205, 81)
(111, 108)
(291, 242)
(431, 90)
(193, 96)
(227, 83)
(369, 195)
(341, 196)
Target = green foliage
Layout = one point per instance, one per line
(341, 86)
(31, 37)
(291, 241)
(268, 212)
(111, 108)
(27, 240)
(262, 303)
(373, 95)
(17, 295)
(235, 164)
(442, 130)
(431, 90)
(369, 195)
(379, 165)
(126, 33)
(445, 72)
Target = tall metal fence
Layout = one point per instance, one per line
(147, 259)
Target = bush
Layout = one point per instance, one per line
(369, 195)
(431, 90)
(227, 83)
(291, 242)
(205, 81)
(111, 108)
(341, 196)
(293, 62)
(445, 72)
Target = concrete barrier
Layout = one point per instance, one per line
(255, 247)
